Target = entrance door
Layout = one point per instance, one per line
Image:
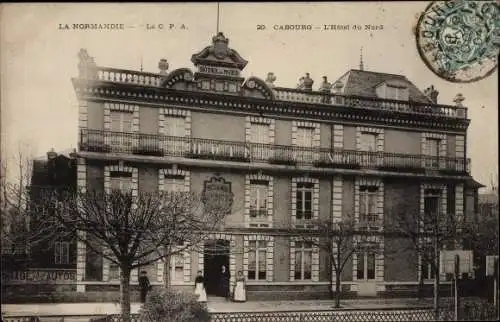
(366, 274)
(216, 254)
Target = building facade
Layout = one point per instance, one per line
(347, 149)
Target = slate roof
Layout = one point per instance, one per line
(363, 83)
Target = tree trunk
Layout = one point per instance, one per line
(125, 294)
(166, 272)
(330, 267)
(436, 280)
(338, 291)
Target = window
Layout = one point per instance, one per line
(368, 214)
(121, 122)
(121, 181)
(257, 260)
(61, 253)
(431, 209)
(174, 184)
(259, 135)
(432, 146)
(305, 143)
(304, 201)
(175, 130)
(177, 268)
(258, 200)
(396, 93)
(368, 142)
(366, 265)
(426, 270)
(205, 85)
(114, 272)
(303, 260)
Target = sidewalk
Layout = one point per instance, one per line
(214, 305)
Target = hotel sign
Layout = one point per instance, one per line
(41, 276)
(218, 70)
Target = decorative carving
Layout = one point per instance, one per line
(270, 79)
(220, 46)
(459, 98)
(431, 93)
(325, 86)
(217, 195)
(219, 54)
(163, 66)
(86, 66)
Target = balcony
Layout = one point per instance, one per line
(207, 149)
(295, 95)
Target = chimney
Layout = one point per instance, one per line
(432, 94)
(51, 154)
(307, 82)
(325, 86)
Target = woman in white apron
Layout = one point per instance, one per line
(240, 292)
(199, 288)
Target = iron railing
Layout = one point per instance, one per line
(296, 95)
(285, 316)
(198, 148)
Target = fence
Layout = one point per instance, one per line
(426, 314)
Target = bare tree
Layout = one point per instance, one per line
(136, 230)
(429, 232)
(15, 179)
(340, 240)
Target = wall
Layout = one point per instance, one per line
(451, 146)
(281, 259)
(282, 208)
(218, 126)
(326, 136)
(95, 116)
(148, 120)
(237, 180)
(283, 133)
(349, 137)
(401, 198)
(397, 141)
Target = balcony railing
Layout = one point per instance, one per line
(198, 148)
(295, 95)
(128, 76)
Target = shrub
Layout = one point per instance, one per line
(169, 305)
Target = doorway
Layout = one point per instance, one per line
(216, 254)
(366, 273)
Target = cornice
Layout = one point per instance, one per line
(102, 89)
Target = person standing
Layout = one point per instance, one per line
(199, 288)
(240, 289)
(224, 282)
(144, 285)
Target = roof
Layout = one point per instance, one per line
(363, 83)
(471, 183)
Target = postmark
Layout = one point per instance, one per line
(459, 40)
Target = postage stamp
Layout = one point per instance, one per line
(460, 40)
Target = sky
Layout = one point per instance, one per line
(39, 109)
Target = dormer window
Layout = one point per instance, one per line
(393, 90)
(399, 93)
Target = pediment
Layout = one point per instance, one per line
(256, 87)
(181, 78)
(219, 54)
